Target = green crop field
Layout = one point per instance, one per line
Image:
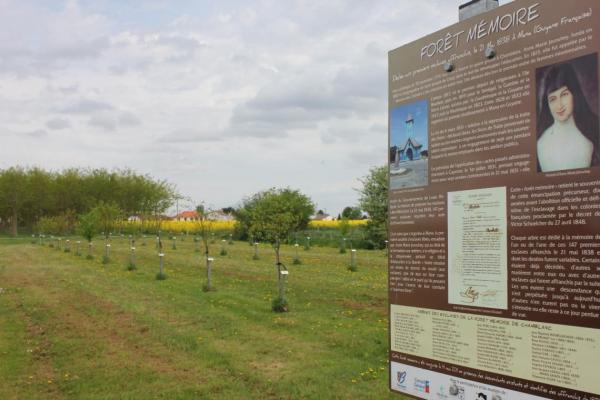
(75, 328)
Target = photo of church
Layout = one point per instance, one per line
(408, 155)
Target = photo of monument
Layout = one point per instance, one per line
(408, 156)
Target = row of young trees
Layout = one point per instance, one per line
(27, 195)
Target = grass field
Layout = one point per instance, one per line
(75, 328)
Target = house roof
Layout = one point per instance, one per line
(187, 214)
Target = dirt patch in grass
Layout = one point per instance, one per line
(244, 276)
(377, 306)
(114, 336)
(273, 370)
(40, 371)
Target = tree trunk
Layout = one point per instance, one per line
(14, 222)
(278, 265)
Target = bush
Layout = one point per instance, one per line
(161, 276)
(63, 224)
(373, 199)
(279, 304)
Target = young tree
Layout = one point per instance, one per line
(271, 216)
(108, 215)
(88, 227)
(374, 200)
(205, 224)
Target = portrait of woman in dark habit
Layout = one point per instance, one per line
(567, 127)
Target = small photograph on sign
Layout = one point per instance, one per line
(409, 145)
(567, 121)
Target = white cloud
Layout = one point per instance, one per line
(222, 100)
(127, 118)
(37, 134)
(103, 120)
(58, 123)
(86, 106)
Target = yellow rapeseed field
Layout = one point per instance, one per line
(194, 226)
(335, 224)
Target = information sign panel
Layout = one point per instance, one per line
(494, 207)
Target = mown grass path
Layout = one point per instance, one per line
(74, 328)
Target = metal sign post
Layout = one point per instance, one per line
(161, 274)
(131, 265)
(209, 261)
(296, 255)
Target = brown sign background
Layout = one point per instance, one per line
(483, 119)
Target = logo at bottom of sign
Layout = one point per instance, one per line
(422, 385)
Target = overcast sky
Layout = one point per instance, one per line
(221, 98)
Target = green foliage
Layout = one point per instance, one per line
(351, 213)
(13, 196)
(62, 224)
(272, 215)
(27, 195)
(374, 200)
(205, 223)
(107, 214)
(89, 225)
(344, 227)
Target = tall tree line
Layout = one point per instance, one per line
(28, 194)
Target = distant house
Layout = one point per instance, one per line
(322, 216)
(186, 216)
(220, 215)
